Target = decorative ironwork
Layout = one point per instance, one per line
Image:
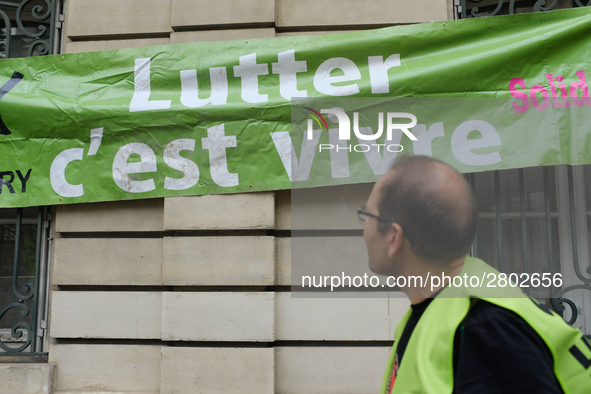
(559, 301)
(32, 23)
(481, 8)
(474, 12)
(27, 28)
(22, 336)
(539, 6)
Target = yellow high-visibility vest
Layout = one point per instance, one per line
(428, 358)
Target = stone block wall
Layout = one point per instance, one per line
(191, 294)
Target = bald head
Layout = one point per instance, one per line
(434, 206)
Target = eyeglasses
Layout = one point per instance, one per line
(362, 216)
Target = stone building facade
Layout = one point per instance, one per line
(191, 294)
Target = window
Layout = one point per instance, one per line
(24, 234)
(538, 220)
(576, 265)
(518, 220)
(27, 28)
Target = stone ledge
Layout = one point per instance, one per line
(106, 368)
(25, 378)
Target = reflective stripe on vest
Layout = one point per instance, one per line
(428, 358)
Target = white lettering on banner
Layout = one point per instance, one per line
(122, 168)
(216, 142)
(379, 156)
(287, 67)
(378, 72)
(323, 80)
(461, 146)
(328, 79)
(297, 169)
(57, 173)
(140, 101)
(422, 146)
(174, 160)
(339, 158)
(190, 88)
(248, 70)
(96, 136)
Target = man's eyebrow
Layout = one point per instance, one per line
(362, 206)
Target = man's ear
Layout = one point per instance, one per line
(395, 237)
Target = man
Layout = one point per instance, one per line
(420, 219)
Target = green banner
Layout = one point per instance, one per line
(207, 118)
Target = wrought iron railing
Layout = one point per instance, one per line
(559, 301)
(520, 234)
(480, 8)
(27, 28)
(23, 289)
